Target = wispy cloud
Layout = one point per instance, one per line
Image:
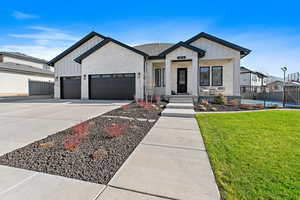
(22, 15)
(38, 51)
(45, 33)
(43, 42)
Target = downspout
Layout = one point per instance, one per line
(144, 78)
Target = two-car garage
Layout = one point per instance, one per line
(101, 86)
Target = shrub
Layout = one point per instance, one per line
(234, 103)
(97, 155)
(274, 106)
(157, 99)
(204, 102)
(202, 108)
(47, 144)
(260, 106)
(115, 130)
(81, 129)
(213, 109)
(220, 99)
(125, 107)
(72, 143)
(246, 106)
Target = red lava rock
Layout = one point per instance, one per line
(115, 130)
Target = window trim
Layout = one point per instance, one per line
(209, 74)
(212, 77)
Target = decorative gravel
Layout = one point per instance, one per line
(92, 151)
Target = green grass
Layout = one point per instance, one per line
(254, 155)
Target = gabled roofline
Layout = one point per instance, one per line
(23, 57)
(74, 46)
(182, 44)
(103, 43)
(243, 51)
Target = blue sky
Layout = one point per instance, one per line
(271, 29)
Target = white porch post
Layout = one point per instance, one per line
(168, 77)
(195, 76)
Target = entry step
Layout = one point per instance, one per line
(173, 112)
(180, 105)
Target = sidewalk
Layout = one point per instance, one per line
(170, 163)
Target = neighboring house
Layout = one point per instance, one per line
(252, 81)
(275, 86)
(22, 75)
(99, 67)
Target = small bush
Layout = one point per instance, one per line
(246, 106)
(47, 145)
(273, 106)
(234, 103)
(115, 130)
(213, 109)
(221, 99)
(72, 143)
(81, 129)
(125, 107)
(97, 155)
(260, 106)
(158, 99)
(204, 102)
(202, 108)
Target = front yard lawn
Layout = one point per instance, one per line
(254, 155)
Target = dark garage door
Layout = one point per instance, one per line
(70, 87)
(112, 86)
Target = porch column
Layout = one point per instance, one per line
(168, 77)
(195, 76)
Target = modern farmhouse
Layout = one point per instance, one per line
(99, 67)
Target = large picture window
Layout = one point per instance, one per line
(159, 77)
(217, 76)
(204, 76)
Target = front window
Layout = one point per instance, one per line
(204, 76)
(217, 75)
(159, 77)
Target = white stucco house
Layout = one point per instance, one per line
(23, 75)
(252, 81)
(99, 67)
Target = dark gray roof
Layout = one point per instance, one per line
(154, 49)
(24, 69)
(23, 57)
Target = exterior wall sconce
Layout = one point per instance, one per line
(139, 75)
(56, 78)
(84, 77)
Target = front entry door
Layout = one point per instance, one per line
(181, 80)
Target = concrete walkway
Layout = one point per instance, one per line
(170, 163)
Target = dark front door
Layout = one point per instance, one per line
(181, 80)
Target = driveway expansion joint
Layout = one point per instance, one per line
(173, 146)
(145, 193)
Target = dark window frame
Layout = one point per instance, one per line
(212, 75)
(200, 83)
(157, 79)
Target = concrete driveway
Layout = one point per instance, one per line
(23, 122)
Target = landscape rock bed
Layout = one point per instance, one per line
(213, 107)
(91, 151)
